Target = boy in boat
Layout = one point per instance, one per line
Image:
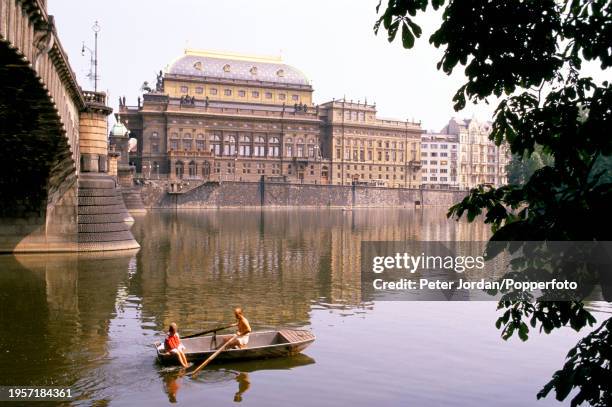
(244, 329)
(173, 344)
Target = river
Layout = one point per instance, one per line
(88, 321)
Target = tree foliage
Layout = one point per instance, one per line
(530, 54)
(521, 167)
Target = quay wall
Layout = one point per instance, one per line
(232, 194)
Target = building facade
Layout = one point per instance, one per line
(480, 160)
(462, 156)
(229, 117)
(367, 150)
(440, 157)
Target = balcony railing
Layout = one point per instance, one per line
(98, 98)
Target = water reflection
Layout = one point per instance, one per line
(89, 321)
(274, 264)
(172, 383)
(238, 372)
(58, 308)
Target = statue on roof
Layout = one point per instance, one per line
(145, 87)
(159, 86)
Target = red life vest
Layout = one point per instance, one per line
(172, 342)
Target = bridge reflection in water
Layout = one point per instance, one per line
(88, 320)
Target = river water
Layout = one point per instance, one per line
(89, 321)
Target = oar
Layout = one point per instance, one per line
(214, 355)
(207, 332)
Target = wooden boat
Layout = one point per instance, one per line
(262, 345)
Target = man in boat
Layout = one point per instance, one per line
(244, 329)
(173, 344)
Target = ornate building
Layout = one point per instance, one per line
(229, 117)
(220, 117)
(368, 150)
(480, 160)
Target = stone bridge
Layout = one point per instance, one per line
(55, 192)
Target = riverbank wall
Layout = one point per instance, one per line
(268, 194)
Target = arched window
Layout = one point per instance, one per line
(230, 145)
(274, 149)
(324, 171)
(299, 148)
(245, 146)
(193, 169)
(288, 147)
(179, 169)
(206, 169)
(215, 144)
(260, 148)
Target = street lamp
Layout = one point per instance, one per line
(317, 157)
(93, 56)
(235, 163)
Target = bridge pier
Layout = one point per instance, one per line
(103, 220)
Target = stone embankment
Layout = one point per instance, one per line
(250, 194)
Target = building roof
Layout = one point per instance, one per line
(119, 130)
(236, 66)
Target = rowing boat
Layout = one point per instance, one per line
(262, 345)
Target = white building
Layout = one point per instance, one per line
(439, 160)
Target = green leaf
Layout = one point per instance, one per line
(407, 37)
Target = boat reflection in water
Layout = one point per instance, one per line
(173, 379)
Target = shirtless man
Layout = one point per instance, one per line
(243, 331)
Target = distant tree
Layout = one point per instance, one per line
(522, 167)
(529, 53)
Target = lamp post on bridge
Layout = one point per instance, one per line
(93, 55)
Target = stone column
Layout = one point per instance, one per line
(93, 144)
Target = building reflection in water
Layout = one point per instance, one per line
(194, 267)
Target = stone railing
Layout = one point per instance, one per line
(94, 97)
(189, 153)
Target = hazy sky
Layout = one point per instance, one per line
(331, 41)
